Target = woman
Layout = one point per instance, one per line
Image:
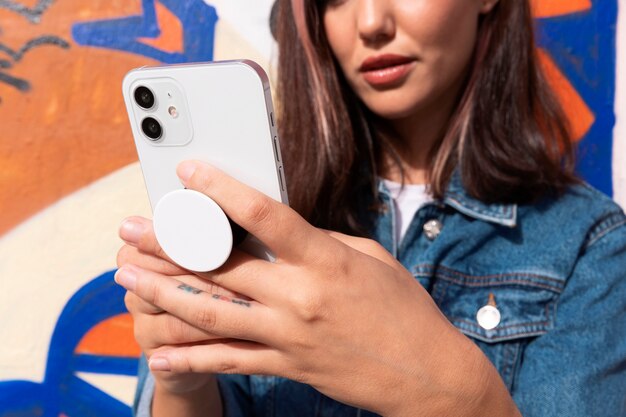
(497, 286)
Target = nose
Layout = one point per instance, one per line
(375, 21)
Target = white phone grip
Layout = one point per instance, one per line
(193, 230)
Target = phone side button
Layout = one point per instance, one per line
(272, 118)
(276, 148)
(280, 177)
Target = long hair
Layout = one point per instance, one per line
(508, 136)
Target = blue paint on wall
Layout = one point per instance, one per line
(583, 45)
(62, 391)
(198, 20)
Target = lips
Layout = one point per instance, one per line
(384, 61)
(386, 70)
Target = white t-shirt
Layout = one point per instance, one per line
(407, 202)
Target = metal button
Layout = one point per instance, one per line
(488, 316)
(432, 229)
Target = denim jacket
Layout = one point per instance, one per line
(556, 272)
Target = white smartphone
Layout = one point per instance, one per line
(218, 112)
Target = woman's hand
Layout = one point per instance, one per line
(336, 312)
(154, 328)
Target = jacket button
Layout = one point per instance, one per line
(432, 229)
(488, 316)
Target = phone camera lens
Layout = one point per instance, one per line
(144, 97)
(152, 128)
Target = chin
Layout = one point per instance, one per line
(399, 102)
(393, 109)
(402, 102)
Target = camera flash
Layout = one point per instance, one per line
(173, 112)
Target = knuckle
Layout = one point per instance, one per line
(227, 367)
(373, 246)
(336, 263)
(180, 361)
(187, 366)
(309, 306)
(205, 319)
(258, 211)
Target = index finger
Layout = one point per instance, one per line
(279, 227)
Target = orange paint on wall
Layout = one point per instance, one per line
(171, 38)
(580, 116)
(550, 8)
(71, 128)
(112, 337)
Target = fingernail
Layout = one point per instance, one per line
(126, 277)
(131, 231)
(159, 364)
(185, 171)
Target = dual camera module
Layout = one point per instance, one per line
(150, 126)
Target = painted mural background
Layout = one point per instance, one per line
(68, 170)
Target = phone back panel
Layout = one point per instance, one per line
(224, 117)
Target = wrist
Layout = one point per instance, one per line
(466, 384)
(493, 398)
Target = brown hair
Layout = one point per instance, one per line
(508, 136)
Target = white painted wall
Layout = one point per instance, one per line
(619, 148)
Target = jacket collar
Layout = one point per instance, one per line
(458, 198)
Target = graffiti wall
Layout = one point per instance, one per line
(68, 170)
(68, 176)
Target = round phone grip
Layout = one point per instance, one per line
(193, 230)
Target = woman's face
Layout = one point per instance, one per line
(403, 56)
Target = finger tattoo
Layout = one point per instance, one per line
(189, 289)
(231, 300)
(195, 291)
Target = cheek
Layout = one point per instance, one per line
(340, 37)
(445, 35)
